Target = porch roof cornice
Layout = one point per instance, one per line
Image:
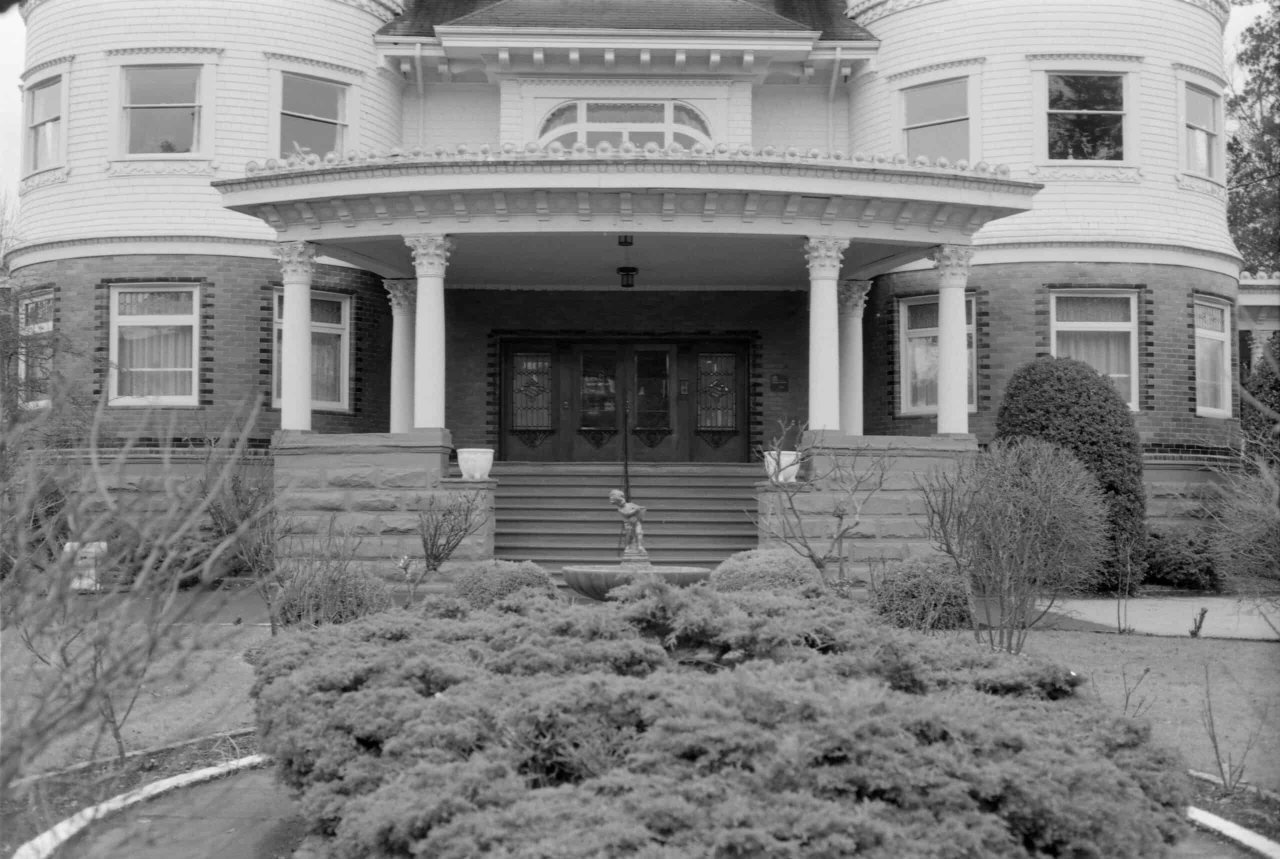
(534, 190)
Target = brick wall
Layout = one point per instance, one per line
(1012, 313)
(235, 339)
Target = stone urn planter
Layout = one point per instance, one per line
(475, 462)
(782, 466)
(596, 581)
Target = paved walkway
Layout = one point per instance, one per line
(1227, 617)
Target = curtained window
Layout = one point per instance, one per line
(1100, 329)
(918, 358)
(44, 125)
(154, 341)
(330, 335)
(1200, 112)
(937, 119)
(1213, 359)
(312, 115)
(35, 350)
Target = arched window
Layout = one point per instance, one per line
(618, 122)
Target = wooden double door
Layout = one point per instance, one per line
(651, 400)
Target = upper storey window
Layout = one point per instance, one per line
(312, 115)
(937, 119)
(618, 122)
(1086, 117)
(1200, 112)
(44, 125)
(162, 109)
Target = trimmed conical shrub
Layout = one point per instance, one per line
(1070, 404)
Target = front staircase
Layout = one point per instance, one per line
(559, 513)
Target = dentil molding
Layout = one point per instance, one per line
(164, 49)
(309, 61)
(47, 64)
(937, 67)
(1085, 58)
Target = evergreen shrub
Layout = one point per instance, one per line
(483, 583)
(924, 594)
(1181, 560)
(764, 569)
(684, 722)
(1260, 405)
(1068, 403)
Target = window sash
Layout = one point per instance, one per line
(1213, 358)
(154, 348)
(312, 114)
(1080, 128)
(1108, 345)
(44, 125)
(572, 123)
(1201, 131)
(330, 347)
(919, 364)
(155, 125)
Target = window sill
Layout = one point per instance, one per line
(162, 165)
(327, 409)
(928, 413)
(149, 403)
(41, 178)
(1217, 414)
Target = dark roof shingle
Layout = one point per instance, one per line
(421, 17)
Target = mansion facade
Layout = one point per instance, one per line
(573, 230)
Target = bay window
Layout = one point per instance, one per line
(330, 345)
(154, 345)
(918, 336)
(1100, 329)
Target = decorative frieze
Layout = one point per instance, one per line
(403, 293)
(869, 11)
(162, 167)
(1086, 173)
(1201, 186)
(310, 61)
(296, 259)
(46, 65)
(937, 67)
(853, 296)
(45, 177)
(1204, 73)
(163, 49)
(1078, 57)
(430, 253)
(824, 255)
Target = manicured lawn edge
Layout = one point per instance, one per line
(44, 844)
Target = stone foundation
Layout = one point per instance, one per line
(366, 491)
(892, 524)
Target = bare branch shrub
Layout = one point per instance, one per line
(444, 522)
(90, 652)
(1230, 766)
(1023, 523)
(813, 516)
(1245, 522)
(325, 588)
(246, 494)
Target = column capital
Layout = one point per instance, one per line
(403, 293)
(430, 253)
(824, 254)
(952, 262)
(295, 258)
(853, 296)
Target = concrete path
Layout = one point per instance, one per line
(1227, 617)
(243, 816)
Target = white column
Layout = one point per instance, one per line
(952, 262)
(824, 255)
(295, 335)
(403, 295)
(430, 258)
(853, 300)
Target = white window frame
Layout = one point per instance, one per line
(343, 404)
(192, 319)
(29, 166)
(206, 98)
(327, 72)
(669, 127)
(1225, 338)
(1218, 147)
(973, 99)
(527, 102)
(1130, 327)
(26, 331)
(905, 406)
(1131, 77)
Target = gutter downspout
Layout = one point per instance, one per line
(831, 95)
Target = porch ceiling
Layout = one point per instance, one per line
(753, 202)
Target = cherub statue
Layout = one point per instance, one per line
(632, 524)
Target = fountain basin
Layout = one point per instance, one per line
(596, 580)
